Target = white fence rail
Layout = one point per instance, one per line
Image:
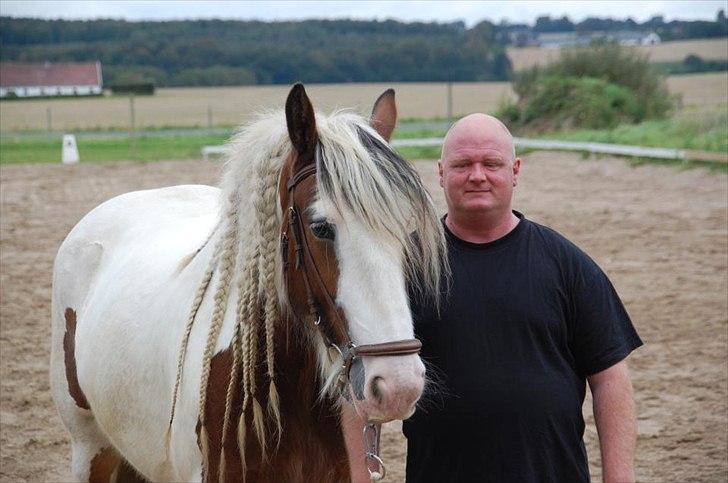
(547, 144)
(554, 145)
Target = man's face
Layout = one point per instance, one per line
(477, 173)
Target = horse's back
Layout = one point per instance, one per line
(115, 317)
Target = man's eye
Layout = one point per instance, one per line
(323, 230)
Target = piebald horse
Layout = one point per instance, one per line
(212, 334)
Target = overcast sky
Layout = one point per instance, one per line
(469, 11)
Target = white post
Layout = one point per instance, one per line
(70, 150)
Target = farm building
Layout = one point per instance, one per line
(574, 39)
(47, 79)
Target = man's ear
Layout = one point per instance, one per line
(516, 170)
(439, 172)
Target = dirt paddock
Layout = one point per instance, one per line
(660, 234)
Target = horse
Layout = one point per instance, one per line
(215, 334)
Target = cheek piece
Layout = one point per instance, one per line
(335, 334)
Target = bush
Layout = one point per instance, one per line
(567, 102)
(595, 87)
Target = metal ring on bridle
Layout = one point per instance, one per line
(380, 472)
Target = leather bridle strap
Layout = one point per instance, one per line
(348, 350)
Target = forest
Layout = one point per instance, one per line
(234, 52)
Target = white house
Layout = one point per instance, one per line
(44, 80)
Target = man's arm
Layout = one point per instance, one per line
(614, 413)
(353, 428)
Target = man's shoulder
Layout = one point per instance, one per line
(566, 253)
(553, 239)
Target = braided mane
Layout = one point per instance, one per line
(363, 179)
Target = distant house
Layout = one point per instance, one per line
(556, 40)
(44, 80)
(631, 37)
(575, 39)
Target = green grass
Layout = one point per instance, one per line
(34, 150)
(708, 133)
(171, 143)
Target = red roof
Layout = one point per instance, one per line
(37, 75)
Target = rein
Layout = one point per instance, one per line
(347, 350)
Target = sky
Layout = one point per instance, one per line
(471, 12)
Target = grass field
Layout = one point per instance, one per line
(700, 124)
(230, 106)
(708, 133)
(708, 49)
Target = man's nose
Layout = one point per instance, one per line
(477, 173)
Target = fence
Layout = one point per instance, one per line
(553, 145)
(231, 106)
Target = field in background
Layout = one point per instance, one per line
(707, 49)
(229, 106)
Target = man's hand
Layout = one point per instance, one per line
(614, 413)
(353, 428)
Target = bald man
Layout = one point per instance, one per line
(528, 320)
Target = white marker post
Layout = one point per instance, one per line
(70, 150)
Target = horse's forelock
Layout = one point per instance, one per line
(360, 175)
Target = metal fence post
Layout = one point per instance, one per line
(449, 102)
(132, 125)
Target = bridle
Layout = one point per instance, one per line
(336, 335)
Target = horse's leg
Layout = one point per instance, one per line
(93, 457)
(101, 464)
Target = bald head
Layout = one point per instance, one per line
(479, 130)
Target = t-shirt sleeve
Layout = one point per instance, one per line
(603, 333)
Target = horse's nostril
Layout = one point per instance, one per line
(376, 391)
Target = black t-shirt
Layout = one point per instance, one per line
(527, 318)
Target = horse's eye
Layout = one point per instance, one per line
(323, 230)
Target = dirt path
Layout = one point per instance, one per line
(660, 234)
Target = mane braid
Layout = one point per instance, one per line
(360, 176)
(226, 268)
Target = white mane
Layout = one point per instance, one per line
(362, 178)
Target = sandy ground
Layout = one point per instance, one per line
(660, 233)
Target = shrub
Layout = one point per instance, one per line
(567, 102)
(592, 87)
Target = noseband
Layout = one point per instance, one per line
(335, 335)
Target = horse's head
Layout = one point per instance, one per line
(357, 226)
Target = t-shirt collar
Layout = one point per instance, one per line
(504, 240)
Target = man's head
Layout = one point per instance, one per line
(478, 167)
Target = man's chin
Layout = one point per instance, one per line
(478, 208)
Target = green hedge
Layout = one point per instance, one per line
(589, 87)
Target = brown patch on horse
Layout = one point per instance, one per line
(107, 466)
(69, 348)
(127, 474)
(104, 466)
(312, 446)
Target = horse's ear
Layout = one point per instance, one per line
(384, 115)
(301, 123)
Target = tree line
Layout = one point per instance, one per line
(233, 52)
(226, 52)
(673, 30)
